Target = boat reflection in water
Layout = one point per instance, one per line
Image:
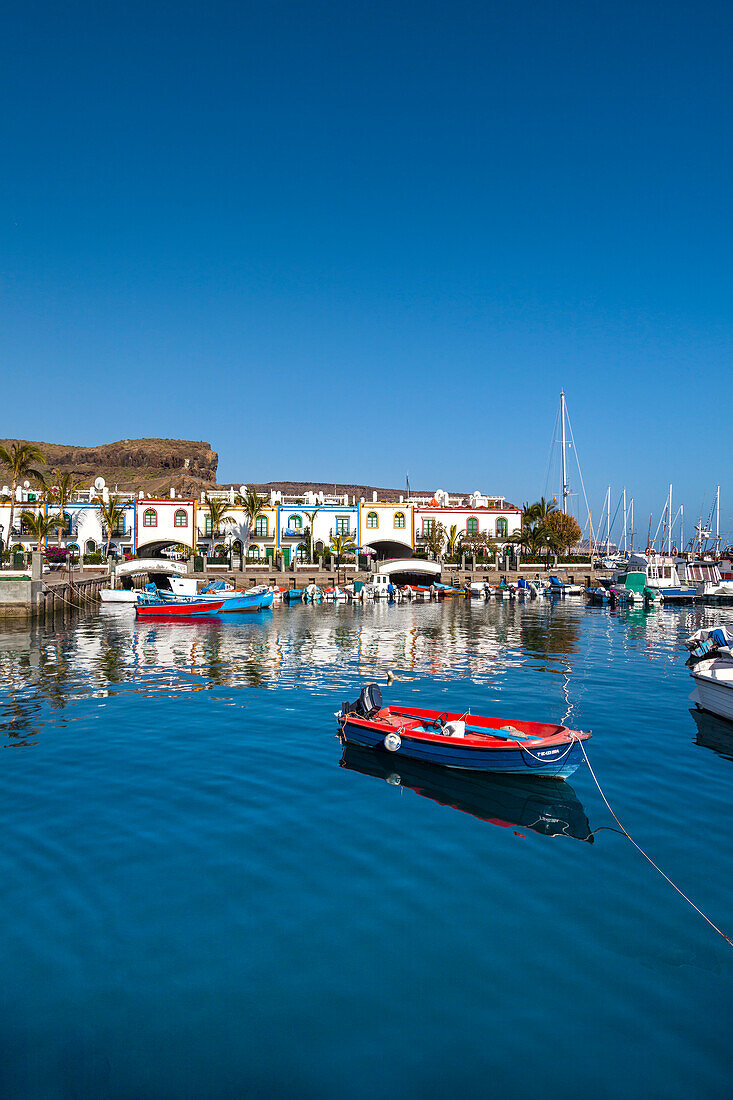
(546, 806)
(714, 733)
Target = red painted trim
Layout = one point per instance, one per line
(419, 508)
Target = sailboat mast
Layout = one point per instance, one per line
(608, 521)
(632, 525)
(624, 519)
(564, 455)
(682, 537)
(717, 522)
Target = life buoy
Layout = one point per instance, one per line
(648, 550)
(675, 551)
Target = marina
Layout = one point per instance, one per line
(179, 807)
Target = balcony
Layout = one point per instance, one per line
(220, 533)
(68, 532)
(291, 533)
(336, 531)
(116, 532)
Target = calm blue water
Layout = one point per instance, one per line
(198, 900)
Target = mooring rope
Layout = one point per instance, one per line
(727, 939)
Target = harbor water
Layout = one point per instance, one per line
(203, 895)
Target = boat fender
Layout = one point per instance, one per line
(454, 729)
(392, 742)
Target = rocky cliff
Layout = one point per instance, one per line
(153, 465)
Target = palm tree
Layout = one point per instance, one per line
(453, 540)
(340, 545)
(251, 504)
(20, 459)
(218, 509)
(38, 526)
(311, 516)
(60, 492)
(112, 514)
(543, 508)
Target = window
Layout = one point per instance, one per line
(90, 547)
(295, 523)
(427, 526)
(254, 552)
(399, 521)
(472, 526)
(261, 527)
(150, 518)
(501, 528)
(207, 525)
(372, 520)
(302, 552)
(180, 519)
(342, 525)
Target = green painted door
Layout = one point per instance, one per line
(286, 555)
(270, 554)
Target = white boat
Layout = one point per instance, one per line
(712, 670)
(118, 595)
(663, 576)
(379, 588)
(707, 577)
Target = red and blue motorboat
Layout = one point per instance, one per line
(466, 740)
(177, 609)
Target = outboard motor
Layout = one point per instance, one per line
(368, 703)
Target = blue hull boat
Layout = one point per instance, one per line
(293, 595)
(455, 740)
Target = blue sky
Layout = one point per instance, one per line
(342, 241)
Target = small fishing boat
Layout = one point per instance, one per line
(461, 740)
(177, 609)
(662, 576)
(118, 595)
(445, 590)
(564, 588)
(711, 667)
(312, 594)
(293, 595)
(598, 596)
(479, 590)
(337, 595)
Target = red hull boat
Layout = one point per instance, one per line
(169, 610)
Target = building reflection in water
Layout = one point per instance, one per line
(322, 648)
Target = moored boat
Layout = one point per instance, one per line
(454, 740)
(564, 588)
(711, 667)
(177, 609)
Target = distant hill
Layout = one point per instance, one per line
(299, 488)
(190, 467)
(153, 465)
